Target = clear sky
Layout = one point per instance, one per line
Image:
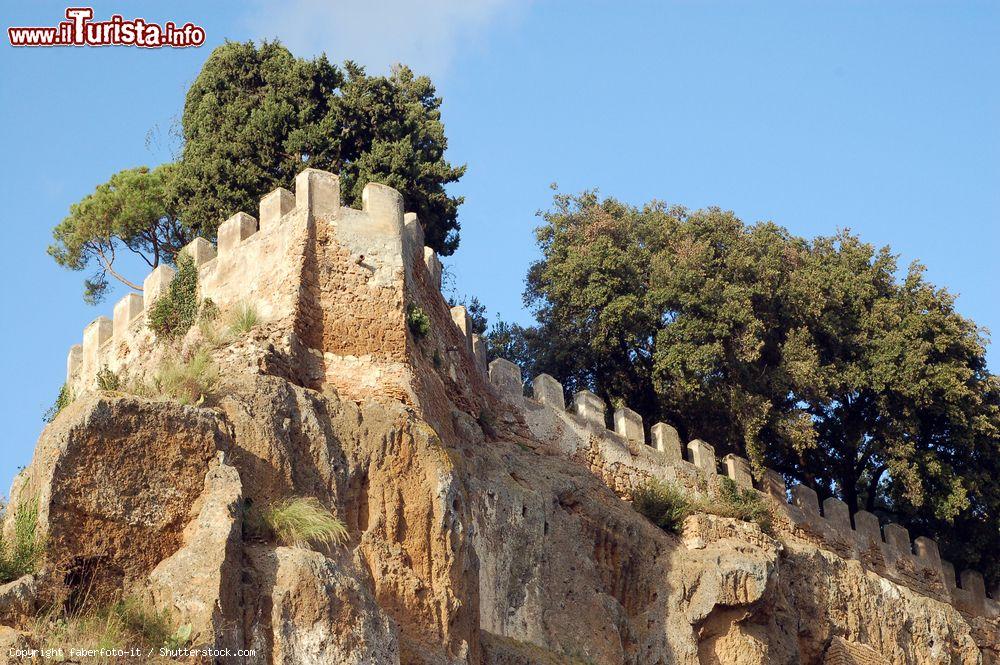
(881, 117)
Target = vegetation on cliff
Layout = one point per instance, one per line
(253, 119)
(20, 556)
(303, 521)
(809, 356)
(667, 506)
(173, 313)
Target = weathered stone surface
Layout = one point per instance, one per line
(738, 469)
(667, 441)
(198, 583)
(13, 640)
(115, 479)
(309, 608)
(274, 206)
(19, 601)
(548, 391)
(481, 530)
(506, 377)
(590, 407)
(200, 250)
(628, 423)
(235, 230)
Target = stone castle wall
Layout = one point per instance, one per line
(625, 461)
(337, 284)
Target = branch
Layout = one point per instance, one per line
(107, 266)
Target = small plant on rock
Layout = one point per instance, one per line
(243, 319)
(121, 624)
(739, 503)
(20, 557)
(108, 380)
(304, 521)
(189, 382)
(418, 322)
(663, 504)
(63, 399)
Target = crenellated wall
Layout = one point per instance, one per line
(625, 460)
(334, 286)
(330, 282)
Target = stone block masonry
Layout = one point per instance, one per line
(914, 563)
(333, 276)
(333, 284)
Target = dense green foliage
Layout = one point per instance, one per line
(20, 556)
(133, 212)
(809, 356)
(174, 311)
(253, 119)
(257, 115)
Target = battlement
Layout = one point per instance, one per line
(886, 549)
(334, 285)
(334, 277)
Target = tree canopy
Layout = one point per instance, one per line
(818, 358)
(133, 212)
(253, 119)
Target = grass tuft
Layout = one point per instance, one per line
(667, 507)
(189, 382)
(124, 624)
(742, 504)
(663, 504)
(21, 556)
(243, 319)
(304, 521)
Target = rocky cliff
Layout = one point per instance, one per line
(483, 526)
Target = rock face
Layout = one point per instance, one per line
(315, 609)
(199, 582)
(115, 478)
(483, 527)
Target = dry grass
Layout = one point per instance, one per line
(242, 320)
(189, 382)
(21, 556)
(125, 624)
(301, 522)
(667, 506)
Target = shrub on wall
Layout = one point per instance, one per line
(666, 506)
(108, 380)
(174, 312)
(663, 504)
(418, 321)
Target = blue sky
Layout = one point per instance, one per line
(882, 117)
